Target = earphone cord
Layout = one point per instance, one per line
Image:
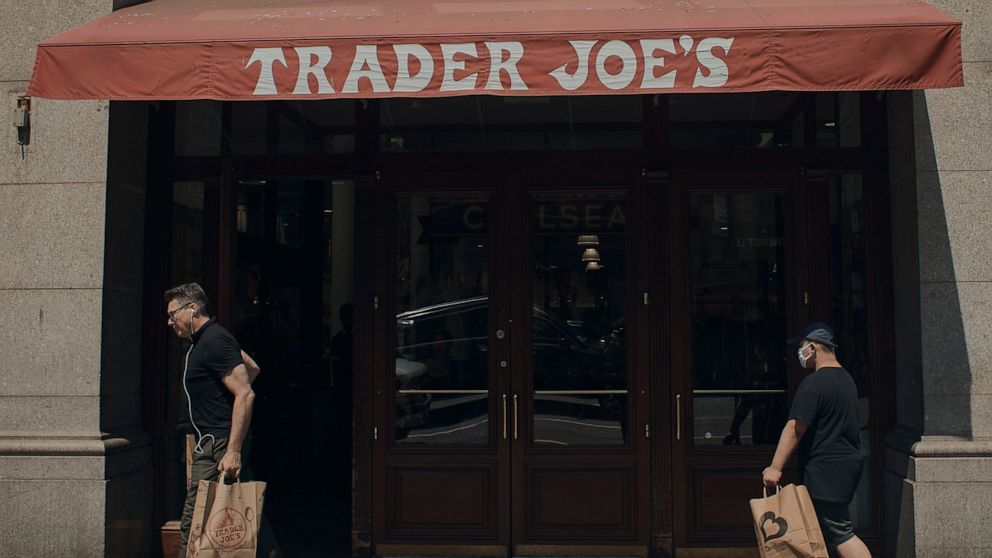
(189, 401)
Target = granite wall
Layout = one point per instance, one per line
(939, 457)
(75, 475)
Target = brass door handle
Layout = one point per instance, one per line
(515, 416)
(504, 416)
(678, 416)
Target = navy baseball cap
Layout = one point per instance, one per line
(816, 331)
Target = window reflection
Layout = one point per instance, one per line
(743, 120)
(442, 320)
(292, 312)
(488, 123)
(838, 120)
(766, 120)
(579, 319)
(187, 264)
(849, 311)
(737, 266)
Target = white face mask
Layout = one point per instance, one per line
(803, 360)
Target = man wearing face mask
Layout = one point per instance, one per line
(217, 378)
(824, 426)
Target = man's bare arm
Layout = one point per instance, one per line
(251, 366)
(787, 442)
(236, 381)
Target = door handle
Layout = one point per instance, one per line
(504, 416)
(514, 416)
(678, 416)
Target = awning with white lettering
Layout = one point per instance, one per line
(312, 49)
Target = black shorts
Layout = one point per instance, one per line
(835, 522)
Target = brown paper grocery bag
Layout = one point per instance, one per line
(226, 519)
(786, 525)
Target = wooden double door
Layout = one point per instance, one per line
(511, 391)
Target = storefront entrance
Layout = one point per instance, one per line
(513, 390)
(595, 365)
(509, 336)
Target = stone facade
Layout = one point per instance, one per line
(75, 469)
(72, 451)
(939, 457)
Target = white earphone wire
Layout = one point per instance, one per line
(189, 401)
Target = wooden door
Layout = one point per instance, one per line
(511, 397)
(440, 424)
(738, 292)
(581, 430)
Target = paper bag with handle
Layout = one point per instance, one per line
(226, 518)
(786, 524)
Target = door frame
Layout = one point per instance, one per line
(691, 466)
(524, 454)
(515, 235)
(388, 186)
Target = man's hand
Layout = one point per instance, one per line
(230, 465)
(771, 476)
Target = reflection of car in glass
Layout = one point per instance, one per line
(445, 346)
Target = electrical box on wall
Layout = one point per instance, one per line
(22, 121)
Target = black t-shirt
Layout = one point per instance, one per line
(213, 354)
(830, 458)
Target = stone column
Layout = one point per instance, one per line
(939, 457)
(74, 465)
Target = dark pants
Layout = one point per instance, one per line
(205, 468)
(835, 522)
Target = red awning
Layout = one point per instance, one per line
(312, 49)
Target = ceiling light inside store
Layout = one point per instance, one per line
(590, 255)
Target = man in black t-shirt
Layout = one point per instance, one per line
(824, 426)
(217, 378)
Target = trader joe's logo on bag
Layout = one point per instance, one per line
(227, 528)
(783, 526)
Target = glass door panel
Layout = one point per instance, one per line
(738, 310)
(578, 292)
(442, 320)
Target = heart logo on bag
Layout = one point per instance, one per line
(783, 526)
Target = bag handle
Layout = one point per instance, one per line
(764, 489)
(223, 477)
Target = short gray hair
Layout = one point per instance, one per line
(188, 293)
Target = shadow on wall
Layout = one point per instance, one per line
(932, 368)
(946, 370)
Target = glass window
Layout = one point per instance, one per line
(315, 126)
(292, 127)
(293, 314)
(838, 120)
(736, 120)
(187, 249)
(198, 128)
(489, 123)
(767, 120)
(264, 128)
(579, 290)
(442, 320)
(849, 311)
(737, 306)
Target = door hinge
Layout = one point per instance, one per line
(806, 298)
(375, 432)
(647, 299)
(647, 430)
(375, 303)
